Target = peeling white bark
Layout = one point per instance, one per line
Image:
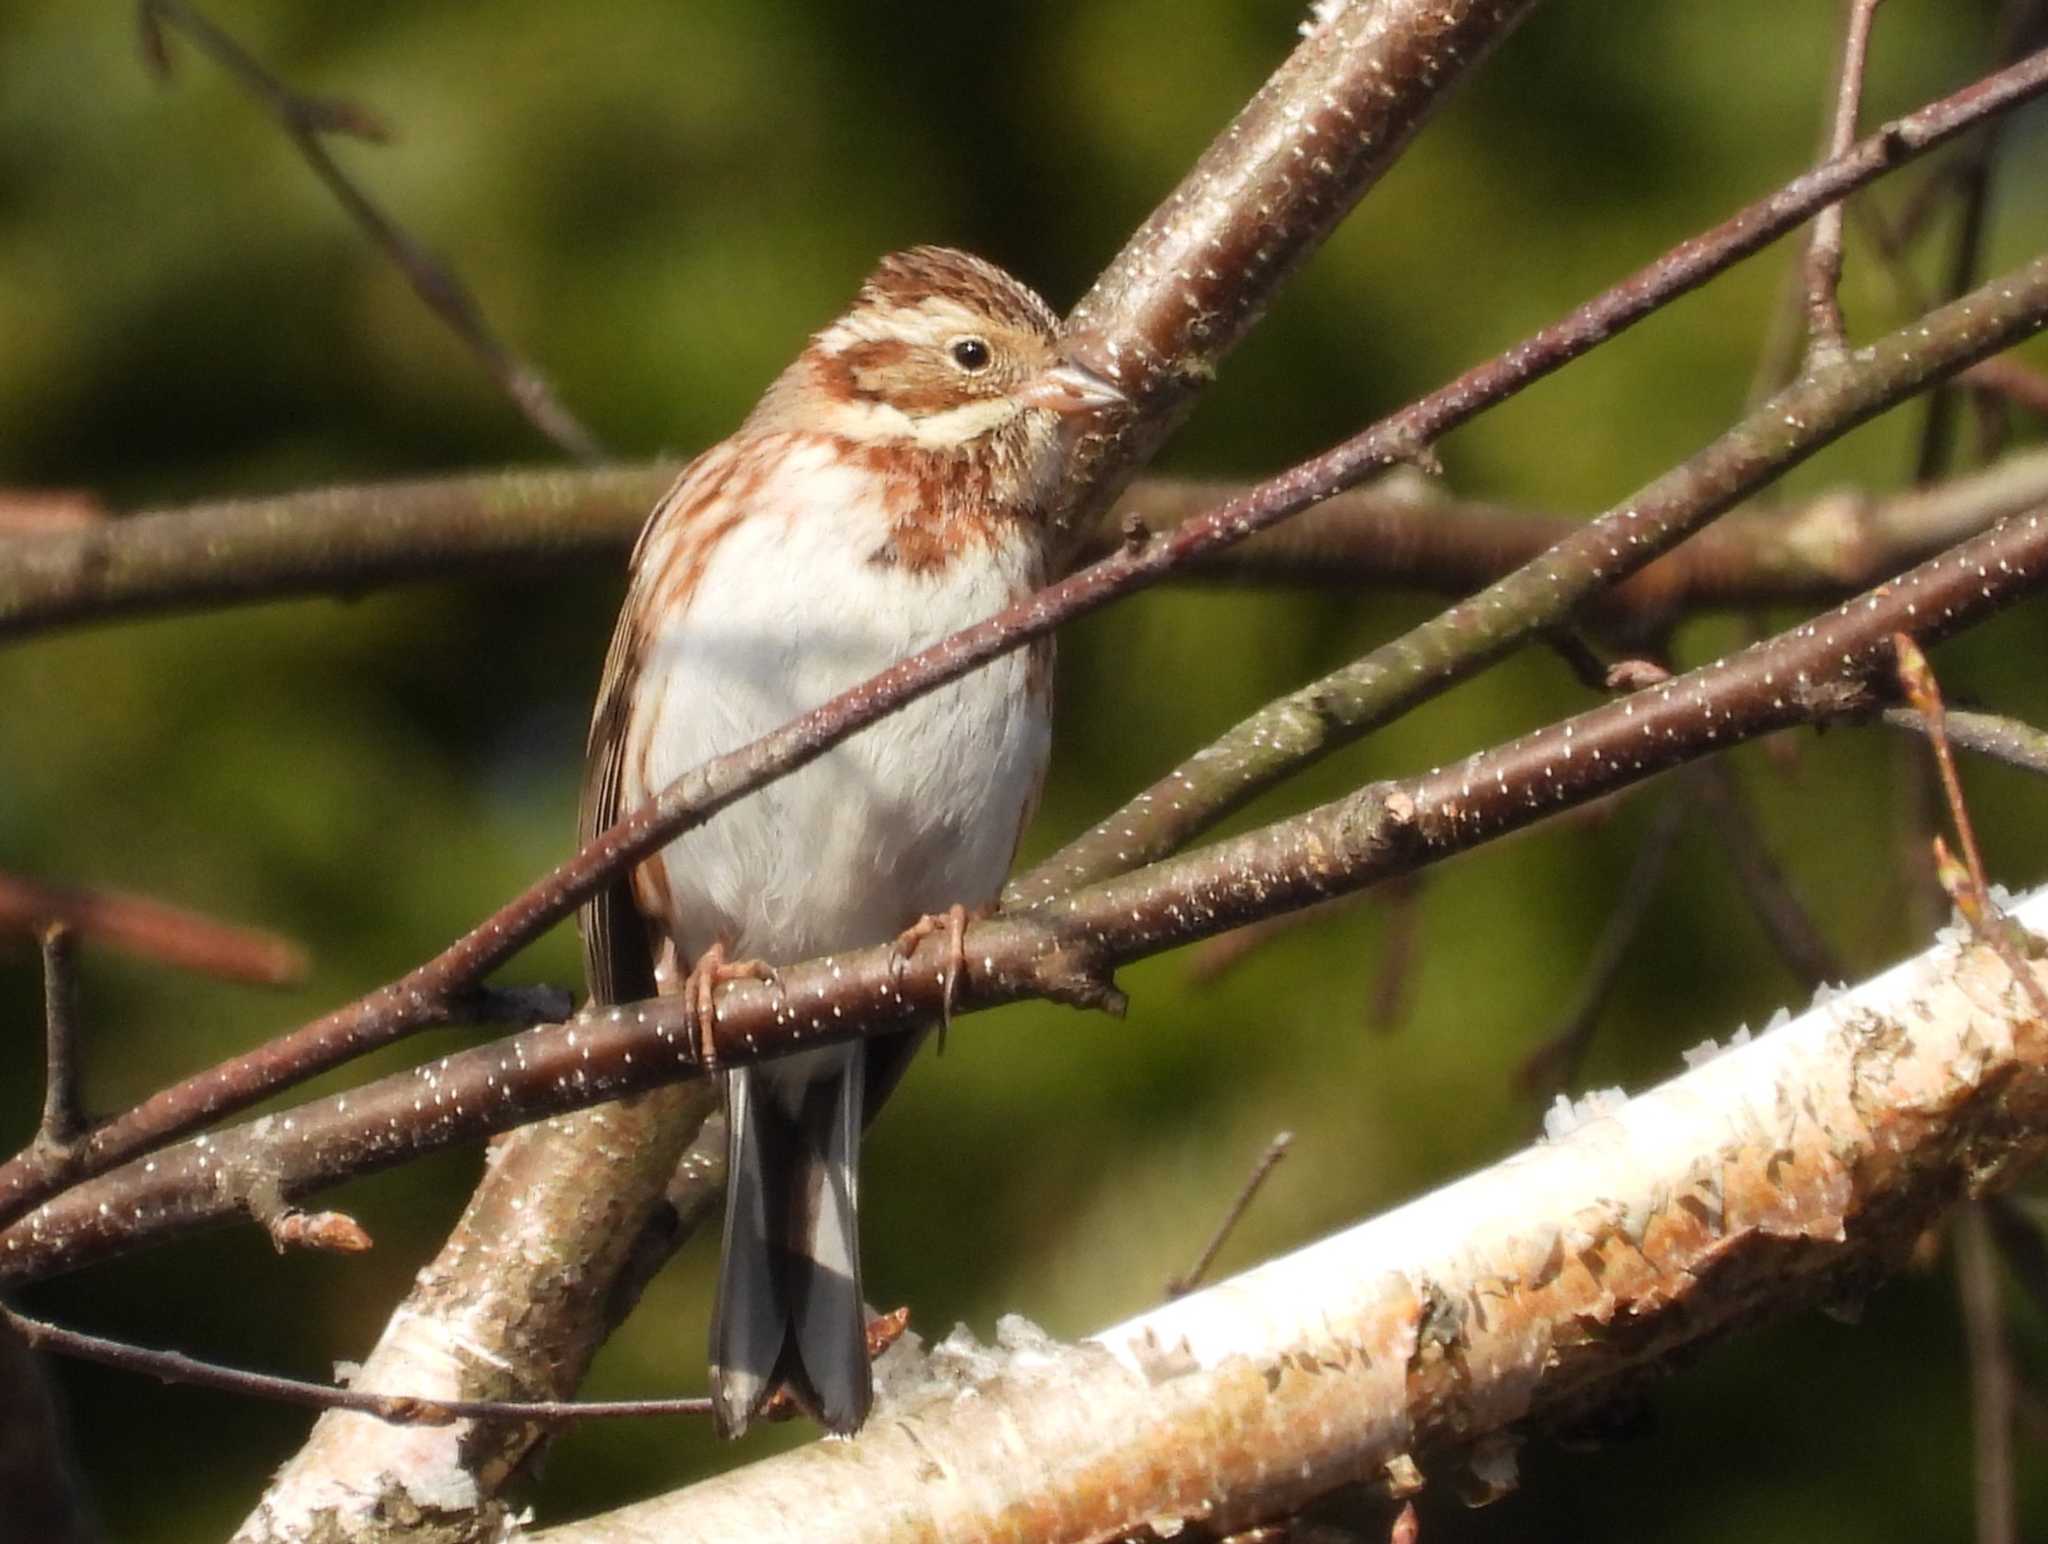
(1793, 1167)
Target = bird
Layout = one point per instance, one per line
(895, 483)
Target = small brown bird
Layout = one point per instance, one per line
(891, 487)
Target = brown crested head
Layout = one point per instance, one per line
(939, 348)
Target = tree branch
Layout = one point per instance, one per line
(1798, 1168)
(1830, 668)
(1302, 727)
(304, 121)
(342, 540)
(1825, 342)
(152, 930)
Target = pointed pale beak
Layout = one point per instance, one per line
(1070, 388)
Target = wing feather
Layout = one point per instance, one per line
(618, 947)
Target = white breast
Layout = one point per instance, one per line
(911, 815)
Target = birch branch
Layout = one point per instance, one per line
(1795, 1168)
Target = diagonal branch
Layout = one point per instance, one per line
(1831, 667)
(1795, 423)
(345, 539)
(305, 120)
(1302, 727)
(1797, 1169)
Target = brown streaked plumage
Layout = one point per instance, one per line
(890, 488)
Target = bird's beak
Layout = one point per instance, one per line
(1070, 388)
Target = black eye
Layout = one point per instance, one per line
(970, 353)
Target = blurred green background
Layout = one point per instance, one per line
(657, 201)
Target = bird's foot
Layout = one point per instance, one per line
(712, 970)
(953, 923)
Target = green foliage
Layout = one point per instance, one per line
(656, 202)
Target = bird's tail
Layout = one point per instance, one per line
(789, 1310)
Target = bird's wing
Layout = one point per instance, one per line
(618, 951)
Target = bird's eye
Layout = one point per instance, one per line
(970, 354)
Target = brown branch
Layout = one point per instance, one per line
(1248, 1192)
(1425, 1342)
(1199, 273)
(399, 1409)
(2017, 383)
(1554, 1064)
(1400, 531)
(305, 120)
(1787, 923)
(344, 540)
(2020, 30)
(63, 1113)
(1830, 667)
(329, 541)
(1305, 725)
(40, 1496)
(1991, 1378)
(1945, 341)
(148, 929)
(1825, 342)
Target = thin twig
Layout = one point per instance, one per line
(2014, 380)
(2021, 1235)
(1965, 882)
(400, 1409)
(169, 935)
(305, 120)
(1825, 342)
(1991, 1379)
(1269, 1160)
(2020, 24)
(1400, 946)
(1554, 1064)
(2003, 739)
(63, 1113)
(1790, 926)
(1916, 677)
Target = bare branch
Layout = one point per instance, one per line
(1269, 1160)
(398, 1409)
(1305, 725)
(1826, 669)
(1784, 1172)
(1824, 252)
(1200, 272)
(1799, 420)
(1789, 925)
(2003, 739)
(304, 121)
(39, 1491)
(63, 1113)
(1991, 1379)
(150, 930)
(1554, 1064)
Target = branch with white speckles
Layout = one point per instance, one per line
(1835, 667)
(1807, 415)
(1302, 727)
(1795, 1169)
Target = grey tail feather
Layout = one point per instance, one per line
(789, 1308)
